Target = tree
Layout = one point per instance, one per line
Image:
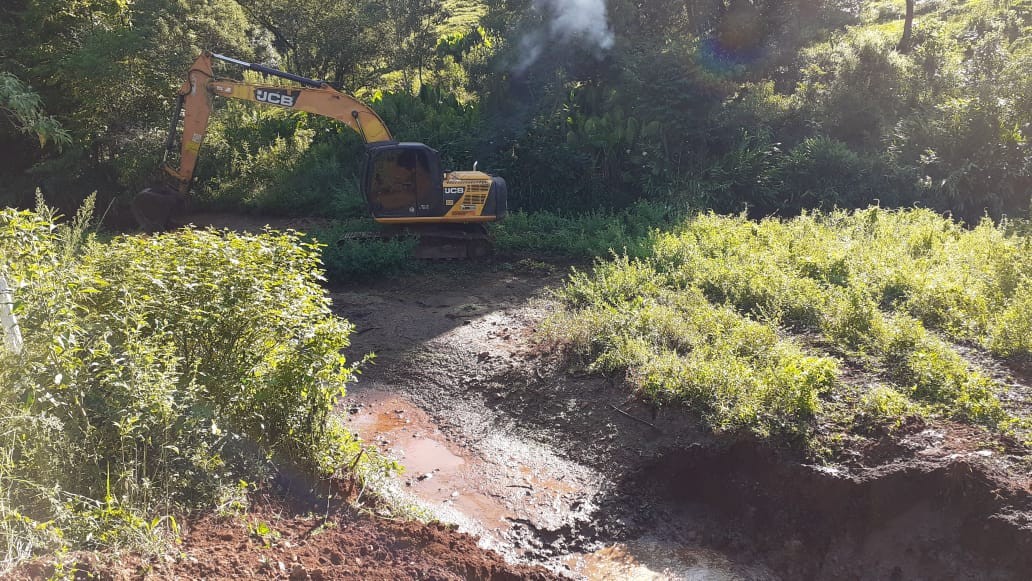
(342, 41)
(908, 27)
(24, 108)
(420, 25)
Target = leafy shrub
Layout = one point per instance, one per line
(823, 172)
(436, 117)
(1011, 332)
(272, 161)
(347, 258)
(156, 371)
(583, 235)
(856, 86)
(931, 371)
(885, 404)
(852, 320)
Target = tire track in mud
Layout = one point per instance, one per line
(576, 474)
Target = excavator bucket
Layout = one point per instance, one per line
(154, 208)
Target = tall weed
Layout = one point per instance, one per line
(156, 372)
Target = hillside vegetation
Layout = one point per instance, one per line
(763, 326)
(773, 106)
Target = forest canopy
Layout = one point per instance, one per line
(767, 105)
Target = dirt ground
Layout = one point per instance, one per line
(572, 472)
(300, 546)
(541, 473)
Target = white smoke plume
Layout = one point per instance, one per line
(569, 21)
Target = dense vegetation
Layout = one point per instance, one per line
(157, 375)
(619, 126)
(741, 319)
(770, 105)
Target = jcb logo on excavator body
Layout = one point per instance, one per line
(458, 191)
(281, 97)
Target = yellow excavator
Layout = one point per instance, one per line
(402, 182)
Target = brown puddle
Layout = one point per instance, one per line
(510, 483)
(436, 470)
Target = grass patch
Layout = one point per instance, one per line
(348, 258)
(583, 235)
(706, 316)
(676, 346)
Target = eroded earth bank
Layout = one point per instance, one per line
(574, 473)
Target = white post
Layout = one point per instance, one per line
(12, 334)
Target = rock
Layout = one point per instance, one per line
(298, 573)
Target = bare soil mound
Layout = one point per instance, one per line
(273, 542)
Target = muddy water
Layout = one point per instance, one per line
(649, 559)
(513, 486)
(437, 471)
(473, 456)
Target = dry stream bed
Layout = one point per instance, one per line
(575, 474)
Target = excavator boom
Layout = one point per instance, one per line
(195, 98)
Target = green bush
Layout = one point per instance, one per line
(1011, 332)
(856, 86)
(821, 172)
(347, 258)
(583, 235)
(885, 404)
(272, 161)
(694, 317)
(156, 372)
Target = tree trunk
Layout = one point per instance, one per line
(908, 27)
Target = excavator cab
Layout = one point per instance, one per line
(403, 180)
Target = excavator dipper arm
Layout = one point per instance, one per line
(195, 105)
